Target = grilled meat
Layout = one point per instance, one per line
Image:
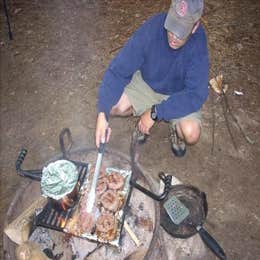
(110, 200)
(115, 181)
(106, 227)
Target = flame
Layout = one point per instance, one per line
(62, 223)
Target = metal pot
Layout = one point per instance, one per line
(66, 202)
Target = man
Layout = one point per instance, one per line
(160, 74)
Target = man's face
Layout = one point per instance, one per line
(174, 42)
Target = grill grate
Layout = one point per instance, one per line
(53, 217)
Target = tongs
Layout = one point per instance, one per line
(92, 193)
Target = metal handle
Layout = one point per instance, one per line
(32, 174)
(65, 132)
(7, 20)
(211, 243)
(92, 193)
(167, 179)
(20, 159)
(101, 148)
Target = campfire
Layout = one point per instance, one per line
(125, 218)
(121, 220)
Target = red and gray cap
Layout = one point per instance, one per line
(182, 16)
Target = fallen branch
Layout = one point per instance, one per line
(217, 86)
(213, 124)
(225, 108)
(248, 139)
(131, 234)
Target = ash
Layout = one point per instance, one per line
(82, 248)
(56, 243)
(41, 236)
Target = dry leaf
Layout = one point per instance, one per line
(216, 83)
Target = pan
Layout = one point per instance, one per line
(183, 214)
(65, 202)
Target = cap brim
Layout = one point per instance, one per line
(179, 26)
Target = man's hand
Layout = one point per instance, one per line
(146, 122)
(101, 127)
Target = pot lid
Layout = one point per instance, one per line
(59, 179)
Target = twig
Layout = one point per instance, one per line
(131, 234)
(225, 110)
(248, 139)
(213, 124)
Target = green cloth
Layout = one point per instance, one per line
(58, 179)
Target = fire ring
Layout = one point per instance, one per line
(20, 200)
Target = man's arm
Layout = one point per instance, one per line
(121, 70)
(117, 76)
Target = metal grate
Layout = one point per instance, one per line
(54, 218)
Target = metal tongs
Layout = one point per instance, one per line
(92, 193)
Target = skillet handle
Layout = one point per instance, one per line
(167, 186)
(211, 243)
(32, 174)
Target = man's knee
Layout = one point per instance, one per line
(191, 130)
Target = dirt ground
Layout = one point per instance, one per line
(50, 74)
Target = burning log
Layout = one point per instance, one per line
(18, 230)
(28, 251)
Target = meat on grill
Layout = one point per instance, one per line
(110, 200)
(86, 222)
(106, 227)
(115, 181)
(102, 172)
(101, 186)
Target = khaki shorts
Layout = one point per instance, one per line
(142, 97)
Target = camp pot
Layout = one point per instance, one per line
(64, 203)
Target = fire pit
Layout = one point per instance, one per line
(142, 214)
(141, 236)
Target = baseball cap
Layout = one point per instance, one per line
(182, 16)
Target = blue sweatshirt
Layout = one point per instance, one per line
(182, 73)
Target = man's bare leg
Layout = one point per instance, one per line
(123, 107)
(189, 130)
(186, 131)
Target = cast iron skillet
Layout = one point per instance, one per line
(195, 200)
